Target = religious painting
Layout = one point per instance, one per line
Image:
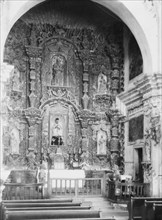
(101, 142)
(136, 128)
(58, 70)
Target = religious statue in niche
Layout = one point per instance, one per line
(102, 82)
(58, 70)
(14, 141)
(16, 80)
(101, 142)
(57, 133)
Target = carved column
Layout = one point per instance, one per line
(122, 142)
(115, 77)
(85, 56)
(32, 113)
(85, 98)
(34, 54)
(113, 115)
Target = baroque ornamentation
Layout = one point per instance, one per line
(61, 93)
(102, 102)
(116, 146)
(33, 116)
(148, 172)
(153, 113)
(34, 52)
(54, 66)
(85, 116)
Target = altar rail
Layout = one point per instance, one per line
(123, 191)
(18, 191)
(75, 187)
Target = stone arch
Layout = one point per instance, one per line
(117, 8)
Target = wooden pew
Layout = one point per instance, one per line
(12, 206)
(148, 209)
(45, 208)
(157, 212)
(20, 205)
(51, 214)
(109, 218)
(136, 206)
(49, 208)
(39, 201)
(39, 206)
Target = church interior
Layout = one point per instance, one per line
(81, 110)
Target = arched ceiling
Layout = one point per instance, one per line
(13, 10)
(71, 13)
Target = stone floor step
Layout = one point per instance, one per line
(108, 209)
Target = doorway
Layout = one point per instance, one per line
(138, 158)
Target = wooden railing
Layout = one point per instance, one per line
(76, 187)
(123, 191)
(15, 191)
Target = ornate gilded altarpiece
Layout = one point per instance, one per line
(72, 74)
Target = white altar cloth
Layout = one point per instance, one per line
(67, 177)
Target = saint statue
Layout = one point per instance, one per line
(14, 141)
(101, 145)
(102, 83)
(58, 68)
(57, 133)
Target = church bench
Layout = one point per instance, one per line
(156, 213)
(136, 206)
(49, 208)
(50, 214)
(41, 206)
(19, 205)
(109, 218)
(39, 201)
(148, 208)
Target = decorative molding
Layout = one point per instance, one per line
(33, 116)
(34, 52)
(144, 88)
